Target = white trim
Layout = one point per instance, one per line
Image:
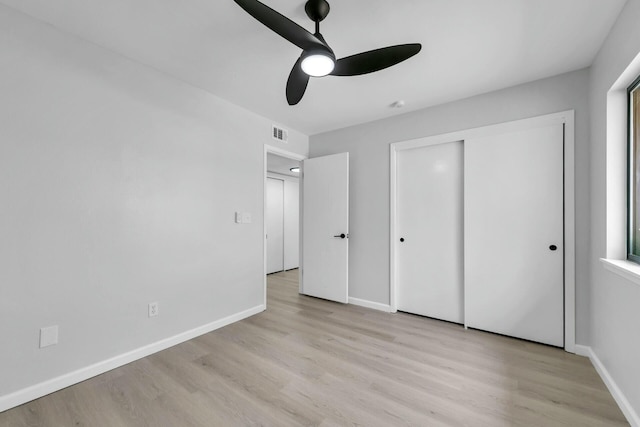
(393, 212)
(568, 119)
(618, 395)
(627, 269)
(42, 389)
(284, 153)
(282, 177)
(514, 126)
(370, 304)
(582, 350)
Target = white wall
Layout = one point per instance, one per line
(368, 145)
(118, 187)
(615, 301)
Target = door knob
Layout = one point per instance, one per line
(402, 239)
(342, 236)
(553, 247)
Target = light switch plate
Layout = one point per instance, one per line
(238, 217)
(48, 336)
(154, 309)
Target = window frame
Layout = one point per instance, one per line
(633, 203)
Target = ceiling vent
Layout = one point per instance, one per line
(280, 134)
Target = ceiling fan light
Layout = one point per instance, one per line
(318, 65)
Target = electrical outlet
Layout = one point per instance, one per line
(154, 309)
(48, 336)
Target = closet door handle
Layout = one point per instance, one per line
(342, 236)
(553, 247)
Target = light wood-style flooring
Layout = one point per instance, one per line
(309, 362)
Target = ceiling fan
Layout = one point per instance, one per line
(318, 59)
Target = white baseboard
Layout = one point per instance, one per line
(583, 350)
(370, 304)
(620, 398)
(42, 389)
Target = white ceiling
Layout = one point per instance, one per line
(281, 165)
(469, 47)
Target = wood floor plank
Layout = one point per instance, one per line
(310, 362)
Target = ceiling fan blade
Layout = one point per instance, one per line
(297, 83)
(281, 25)
(375, 60)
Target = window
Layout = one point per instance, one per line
(634, 172)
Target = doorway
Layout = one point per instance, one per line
(282, 201)
(324, 221)
(282, 212)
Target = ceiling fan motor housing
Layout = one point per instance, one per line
(317, 10)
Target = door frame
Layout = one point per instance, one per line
(566, 118)
(293, 156)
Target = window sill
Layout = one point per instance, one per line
(627, 269)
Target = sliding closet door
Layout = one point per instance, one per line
(275, 225)
(513, 219)
(291, 224)
(430, 224)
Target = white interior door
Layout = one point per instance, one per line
(275, 225)
(291, 224)
(430, 228)
(325, 224)
(513, 218)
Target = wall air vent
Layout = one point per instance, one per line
(280, 134)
